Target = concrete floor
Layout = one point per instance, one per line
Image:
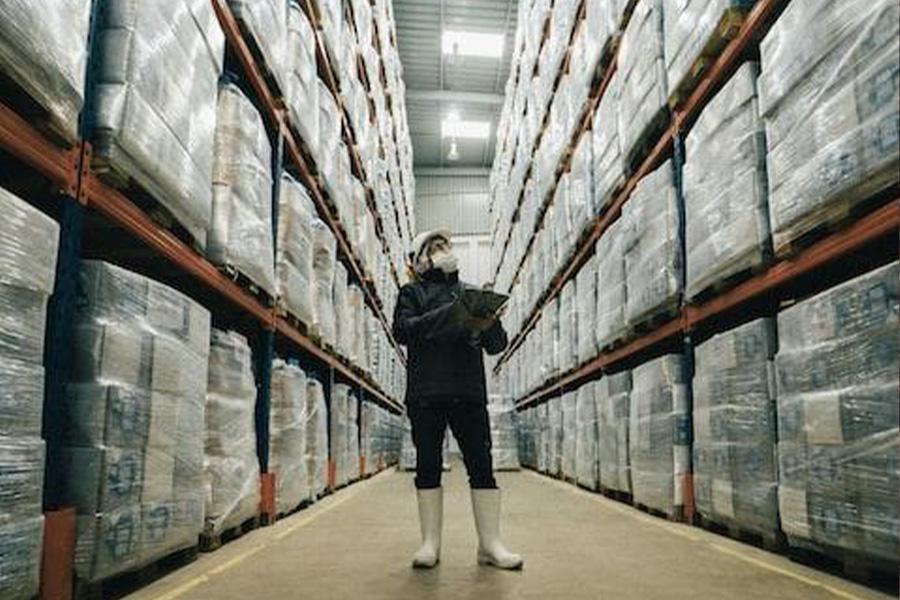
(357, 544)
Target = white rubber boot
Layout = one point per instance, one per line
(431, 517)
(491, 551)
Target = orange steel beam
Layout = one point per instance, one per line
(883, 221)
(22, 140)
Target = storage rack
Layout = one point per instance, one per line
(78, 194)
(880, 226)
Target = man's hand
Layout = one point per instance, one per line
(479, 324)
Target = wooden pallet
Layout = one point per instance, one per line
(210, 541)
(654, 321)
(828, 219)
(726, 30)
(304, 504)
(773, 541)
(261, 295)
(869, 570)
(677, 515)
(617, 495)
(119, 586)
(720, 286)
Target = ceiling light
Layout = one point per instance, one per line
(454, 128)
(467, 43)
(454, 151)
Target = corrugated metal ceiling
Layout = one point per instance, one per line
(436, 84)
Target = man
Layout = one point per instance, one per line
(446, 387)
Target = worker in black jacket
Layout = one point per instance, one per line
(446, 387)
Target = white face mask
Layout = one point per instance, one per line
(444, 261)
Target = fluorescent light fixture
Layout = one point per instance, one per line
(467, 43)
(472, 130)
(454, 151)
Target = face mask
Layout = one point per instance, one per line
(445, 262)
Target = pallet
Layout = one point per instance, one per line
(773, 541)
(210, 541)
(726, 30)
(654, 321)
(119, 586)
(244, 282)
(617, 495)
(304, 504)
(645, 144)
(587, 488)
(26, 106)
(282, 312)
(717, 288)
(826, 220)
(854, 565)
(677, 516)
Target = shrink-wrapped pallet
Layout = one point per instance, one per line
(734, 429)
(613, 402)
(695, 32)
(653, 247)
(580, 191)
(352, 462)
(554, 448)
(504, 443)
(265, 25)
(343, 323)
(609, 165)
(135, 421)
(586, 436)
(316, 453)
(302, 93)
(643, 101)
(230, 465)
(332, 24)
(837, 375)
(338, 437)
(329, 129)
(294, 256)
(601, 21)
(586, 302)
(830, 99)
(240, 236)
(726, 208)
(154, 102)
(43, 49)
(568, 327)
(356, 333)
(660, 431)
(288, 420)
(611, 291)
(569, 434)
(324, 264)
(20, 557)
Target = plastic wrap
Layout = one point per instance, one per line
(324, 260)
(357, 334)
(135, 421)
(555, 436)
(609, 164)
(586, 309)
(580, 192)
(303, 79)
(692, 30)
(21, 543)
(613, 404)
(351, 466)
(294, 257)
(329, 128)
(338, 436)
(611, 290)
(569, 434)
(154, 104)
(829, 95)
(266, 21)
(43, 48)
(654, 264)
(316, 437)
(734, 428)
(231, 465)
(586, 436)
(726, 208)
(288, 419)
(643, 76)
(568, 327)
(660, 433)
(343, 319)
(332, 23)
(240, 236)
(504, 434)
(837, 375)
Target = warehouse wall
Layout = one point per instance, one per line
(454, 199)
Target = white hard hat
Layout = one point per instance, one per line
(421, 240)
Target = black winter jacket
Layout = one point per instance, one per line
(445, 360)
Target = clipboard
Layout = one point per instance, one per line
(484, 303)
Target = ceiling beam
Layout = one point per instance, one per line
(451, 96)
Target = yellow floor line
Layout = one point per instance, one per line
(307, 520)
(787, 573)
(236, 560)
(684, 532)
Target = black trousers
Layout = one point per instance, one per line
(470, 426)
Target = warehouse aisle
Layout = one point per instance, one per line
(358, 543)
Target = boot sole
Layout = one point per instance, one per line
(486, 562)
(423, 566)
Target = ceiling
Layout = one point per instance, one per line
(437, 84)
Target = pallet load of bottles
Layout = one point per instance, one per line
(767, 425)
